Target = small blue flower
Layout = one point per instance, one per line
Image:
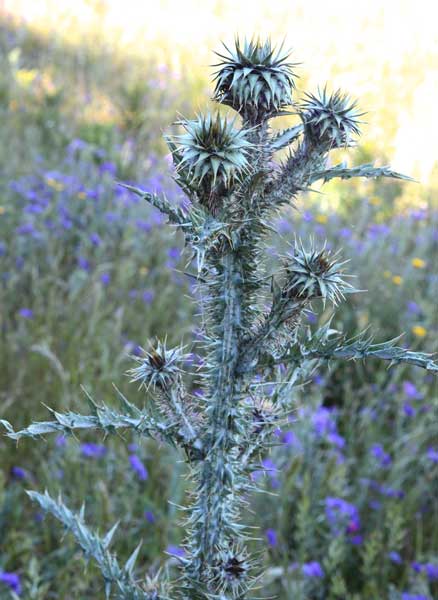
(379, 453)
(95, 239)
(148, 296)
(11, 580)
(395, 557)
(91, 450)
(26, 313)
(149, 516)
(83, 263)
(175, 551)
(410, 390)
(271, 536)
(105, 278)
(138, 467)
(60, 441)
(18, 473)
(432, 454)
(312, 569)
(431, 571)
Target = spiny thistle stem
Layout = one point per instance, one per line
(217, 474)
(251, 322)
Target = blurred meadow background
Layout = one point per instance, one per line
(88, 274)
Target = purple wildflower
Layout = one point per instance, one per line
(390, 492)
(319, 380)
(18, 473)
(376, 230)
(174, 253)
(379, 453)
(413, 308)
(91, 450)
(408, 596)
(148, 296)
(95, 239)
(345, 233)
(312, 569)
(83, 263)
(12, 580)
(175, 551)
(60, 441)
(271, 536)
(395, 557)
(284, 226)
(138, 467)
(322, 421)
(105, 278)
(411, 391)
(409, 410)
(108, 167)
(26, 313)
(143, 225)
(111, 217)
(149, 516)
(289, 438)
(342, 517)
(356, 540)
(336, 439)
(416, 566)
(432, 454)
(26, 229)
(307, 216)
(431, 571)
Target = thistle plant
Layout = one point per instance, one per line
(251, 319)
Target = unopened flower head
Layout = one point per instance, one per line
(234, 569)
(254, 77)
(315, 274)
(158, 367)
(330, 119)
(211, 149)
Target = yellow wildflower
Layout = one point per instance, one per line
(418, 263)
(82, 195)
(25, 76)
(56, 185)
(144, 270)
(2, 210)
(419, 331)
(397, 280)
(375, 201)
(321, 219)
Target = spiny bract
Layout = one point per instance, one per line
(212, 148)
(330, 118)
(315, 274)
(254, 79)
(159, 367)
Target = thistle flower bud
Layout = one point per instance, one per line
(233, 571)
(255, 80)
(211, 149)
(330, 119)
(159, 367)
(315, 274)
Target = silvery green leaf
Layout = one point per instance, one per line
(286, 137)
